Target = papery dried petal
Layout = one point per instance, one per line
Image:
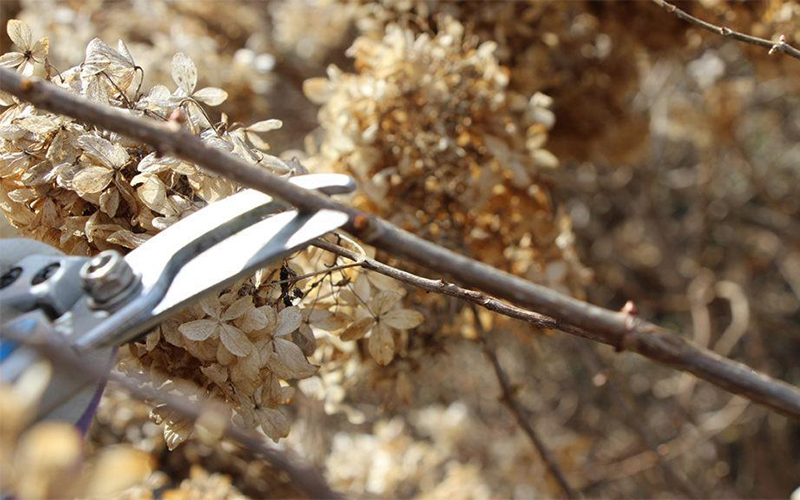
(273, 422)
(39, 124)
(109, 202)
(329, 322)
(200, 329)
(11, 59)
(381, 345)
(358, 329)
(216, 372)
(211, 96)
(382, 282)
(238, 308)
(152, 339)
(235, 340)
(265, 125)
(40, 49)
(289, 320)
(176, 431)
(211, 306)
(184, 73)
(19, 33)
(111, 155)
(254, 319)
(383, 302)
(402, 319)
(92, 179)
(288, 361)
(305, 339)
(224, 356)
(128, 239)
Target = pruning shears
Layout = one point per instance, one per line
(89, 306)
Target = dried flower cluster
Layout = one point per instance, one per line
(677, 170)
(83, 190)
(440, 147)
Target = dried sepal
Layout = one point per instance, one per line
(381, 345)
(358, 329)
(288, 362)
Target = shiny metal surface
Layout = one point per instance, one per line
(203, 252)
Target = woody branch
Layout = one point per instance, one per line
(618, 328)
(781, 46)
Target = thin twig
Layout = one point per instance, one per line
(709, 427)
(622, 396)
(446, 288)
(772, 46)
(618, 328)
(305, 478)
(520, 413)
(325, 271)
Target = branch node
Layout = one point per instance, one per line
(624, 341)
(780, 46)
(27, 84)
(366, 228)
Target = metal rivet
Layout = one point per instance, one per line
(107, 278)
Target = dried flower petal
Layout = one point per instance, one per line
(211, 96)
(381, 345)
(200, 329)
(358, 329)
(289, 320)
(273, 422)
(92, 179)
(265, 125)
(288, 362)
(384, 301)
(402, 319)
(184, 73)
(235, 340)
(19, 33)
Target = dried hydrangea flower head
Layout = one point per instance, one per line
(440, 147)
(30, 52)
(84, 190)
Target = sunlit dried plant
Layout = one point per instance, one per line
(84, 190)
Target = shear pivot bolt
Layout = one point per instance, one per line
(108, 278)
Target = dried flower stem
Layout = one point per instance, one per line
(305, 478)
(521, 414)
(772, 46)
(617, 328)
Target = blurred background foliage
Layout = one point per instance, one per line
(658, 163)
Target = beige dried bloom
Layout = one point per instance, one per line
(85, 190)
(184, 74)
(384, 316)
(219, 326)
(441, 146)
(30, 53)
(82, 190)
